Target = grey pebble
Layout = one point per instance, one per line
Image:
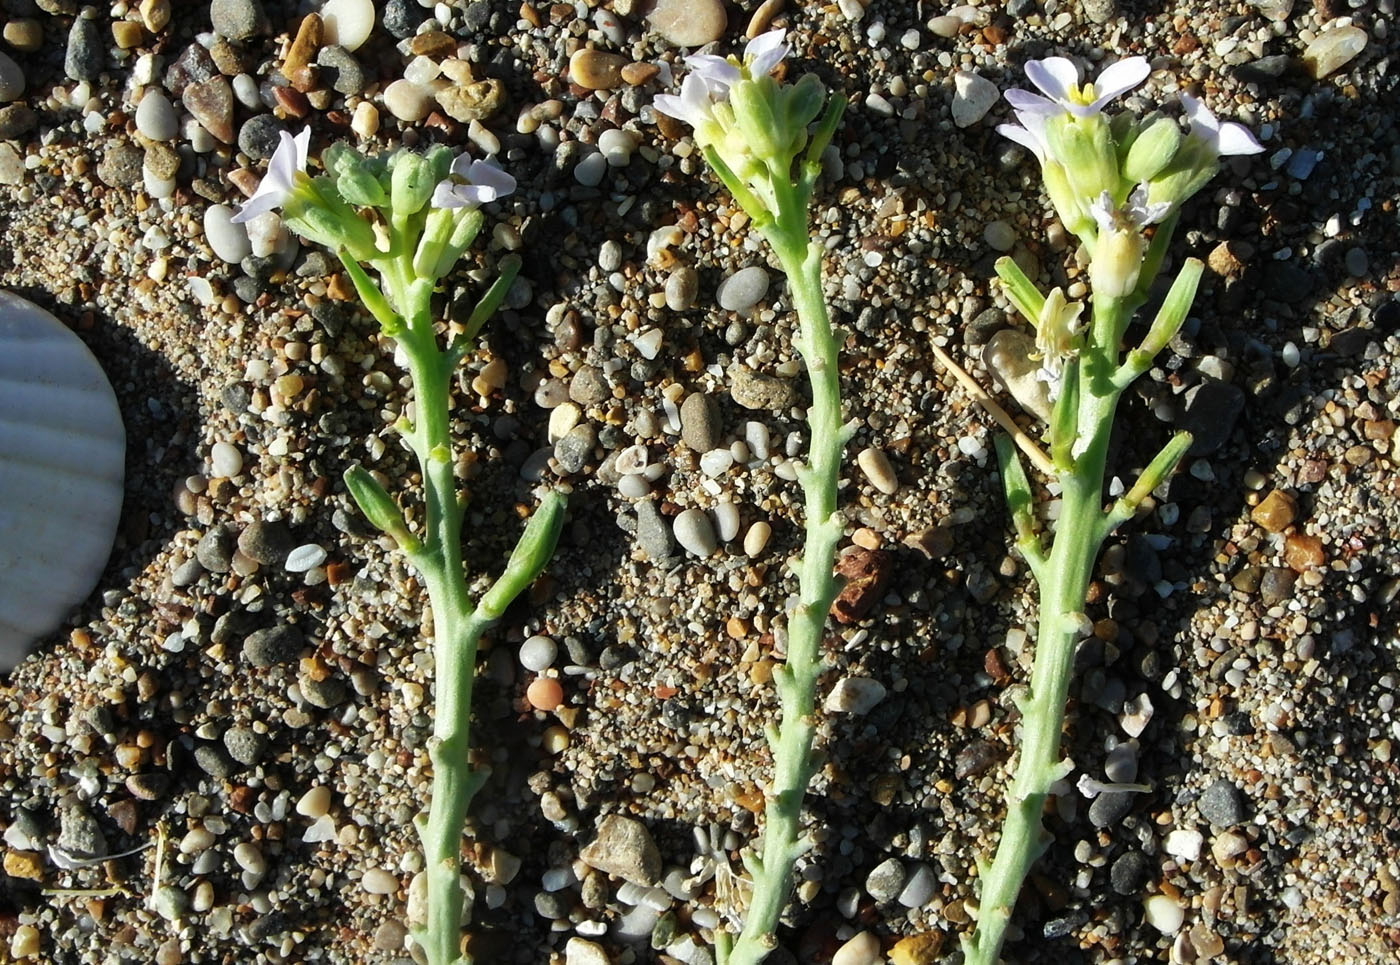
(886, 881)
(1357, 264)
(79, 833)
(753, 390)
(574, 449)
(999, 235)
(237, 19)
(266, 541)
(244, 745)
(624, 847)
(260, 135)
(553, 905)
(695, 532)
(324, 693)
(744, 289)
(1110, 807)
(1221, 804)
(16, 120)
(120, 166)
(682, 285)
(148, 787)
(919, 887)
(653, 535)
(1129, 872)
(1100, 11)
(1276, 585)
(589, 386)
(346, 75)
(610, 256)
(983, 326)
(187, 573)
(402, 17)
(193, 66)
(83, 58)
(214, 761)
(1209, 414)
(700, 424)
(272, 646)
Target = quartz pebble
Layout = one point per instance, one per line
(305, 557)
(315, 803)
(973, 97)
(876, 466)
(854, 695)
(1184, 844)
(744, 289)
(688, 23)
(377, 881)
(1332, 50)
(250, 858)
(155, 117)
(225, 459)
(756, 539)
(537, 653)
(347, 23)
(1164, 914)
(407, 101)
(694, 532)
(228, 240)
(596, 69)
(863, 949)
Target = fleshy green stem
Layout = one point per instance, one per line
(796, 680)
(1064, 583)
(457, 624)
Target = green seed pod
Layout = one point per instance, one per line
(413, 182)
(803, 101)
(1152, 151)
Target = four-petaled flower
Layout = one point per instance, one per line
(481, 182)
(1133, 215)
(1225, 139)
(1057, 333)
(287, 165)
(1058, 80)
(711, 77)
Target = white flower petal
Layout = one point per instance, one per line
(1203, 122)
(260, 203)
(1027, 103)
(490, 179)
(1103, 211)
(1119, 78)
(717, 73)
(1023, 137)
(282, 169)
(765, 52)
(1055, 76)
(1236, 139)
(462, 165)
(445, 195)
(302, 143)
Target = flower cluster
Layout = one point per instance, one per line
(429, 200)
(1109, 178)
(751, 126)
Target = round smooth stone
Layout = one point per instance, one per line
(62, 456)
(537, 653)
(694, 531)
(347, 23)
(155, 117)
(229, 241)
(744, 289)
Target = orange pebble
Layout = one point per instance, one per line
(545, 694)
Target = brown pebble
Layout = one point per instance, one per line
(433, 44)
(866, 574)
(292, 101)
(24, 864)
(596, 69)
(1277, 511)
(1302, 552)
(24, 34)
(303, 49)
(211, 103)
(128, 34)
(639, 73)
(545, 693)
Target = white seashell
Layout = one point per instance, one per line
(62, 447)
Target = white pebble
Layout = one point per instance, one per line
(377, 881)
(407, 101)
(228, 240)
(1164, 914)
(726, 516)
(250, 858)
(617, 146)
(155, 117)
(195, 841)
(537, 653)
(973, 97)
(589, 172)
(716, 462)
(225, 459)
(315, 803)
(864, 949)
(648, 343)
(347, 23)
(876, 466)
(756, 539)
(855, 695)
(757, 436)
(305, 557)
(1184, 844)
(695, 533)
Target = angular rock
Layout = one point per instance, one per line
(624, 848)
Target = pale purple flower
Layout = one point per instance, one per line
(1224, 139)
(1135, 213)
(1029, 133)
(481, 182)
(1058, 80)
(711, 77)
(288, 161)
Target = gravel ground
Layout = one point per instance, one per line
(249, 684)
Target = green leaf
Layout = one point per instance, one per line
(1021, 290)
(379, 507)
(529, 558)
(1175, 308)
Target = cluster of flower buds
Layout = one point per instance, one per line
(428, 200)
(1111, 178)
(747, 121)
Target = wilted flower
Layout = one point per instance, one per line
(473, 183)
(1057, 332)
(284, 172)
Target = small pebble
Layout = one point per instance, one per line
(744, 289)
(155, 116)
(1221, 805)
(854, 695)
(11, 78)
(886, 880)
(973, 97)
(999, 235)
(407, 101)
(305, 557)
(315, 803)
(250, 858)
(225, 459)
(237, 19)
(682, 285)
(82, 60)
(876, 466)
(1184, 844)
(863, 949)
(537, 653)
(377, 881)
(756, 539)
(347, 23)
(545, 693)
(694, 532)
(596, 69)
(228, 240)
(1332, 50)
(1164, 914)
(688, 23)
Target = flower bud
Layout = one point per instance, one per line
(1194, 164)
(1084, 147)
(1117, 262)
(803, 101)
(1068, 205)
(1152, 151)
(754, 117)
(413, 182)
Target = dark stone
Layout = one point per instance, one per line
(16, 120)
(615, 657)
(343, 71)
(653, 532)
(272, 646)
(401, 18)
(1266, 70)
(147, 787)
(553, 905)
(1352, 342)
(215, 550)
(1221, 804)
(1210, 412)
(1129, 872)
(1387, 316)
(260, 135)
(244, 745)
(983, 326)
(325, 693)
(573, 451)
(1110, 807)
(1064, 925)
(83, 58)
(237, 19)
(1020, 8)
(477, 16)
(974, 759)
(193, 66)
(266, 541)
(265, 926)
(1276, 585)
(1287, 282)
